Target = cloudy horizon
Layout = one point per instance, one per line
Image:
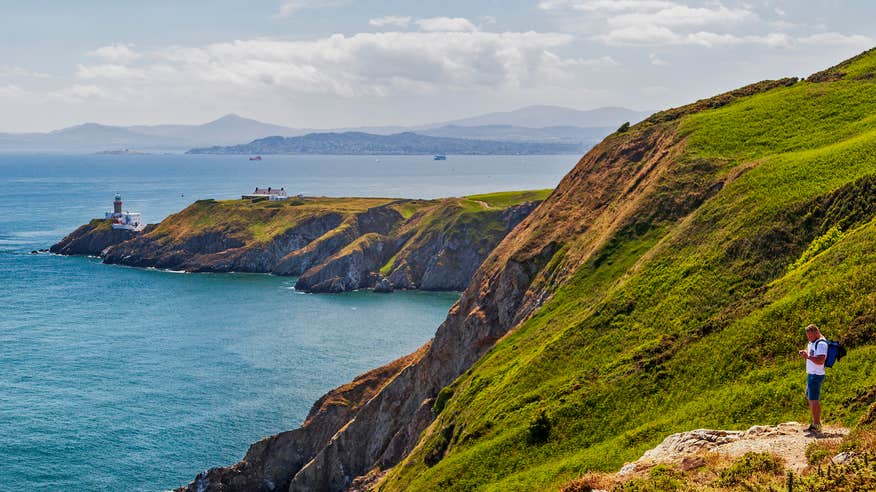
(349, 63)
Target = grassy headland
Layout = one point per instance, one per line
(680, 303)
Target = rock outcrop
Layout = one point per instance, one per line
(332, 245)
(268, 462)
(788, 441)
(92, 239)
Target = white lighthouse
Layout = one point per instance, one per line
(131, 221)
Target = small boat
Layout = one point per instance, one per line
(256, 158)
(439, 157)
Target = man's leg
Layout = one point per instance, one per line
(815, 408)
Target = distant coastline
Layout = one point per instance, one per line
(407, 143)
(122, 152)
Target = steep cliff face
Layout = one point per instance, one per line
(267, 464)
(444, 251)
(92, 239)
(437, 248)
(665, 249)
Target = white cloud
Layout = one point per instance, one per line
(78, 93)
(446, 24)
(657, 61)
(116, 53)
(108, 71)
(17, 71)
(11, 91)
(654, 22)
(291, 7)
(681, 15)
(708, 24)
(837, 39)
(390, 20)
(365, 64)
(604, 5)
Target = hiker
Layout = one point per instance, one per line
(815, 355)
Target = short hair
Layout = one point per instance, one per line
(812, 327)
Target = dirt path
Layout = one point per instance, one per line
(788, 440)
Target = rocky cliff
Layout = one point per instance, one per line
(92, 239)
(332, 244)
(612, 315)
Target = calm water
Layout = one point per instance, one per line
(115, 378)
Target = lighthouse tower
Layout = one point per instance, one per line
(131, 221)
(117, 205)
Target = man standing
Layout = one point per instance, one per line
(815, 355)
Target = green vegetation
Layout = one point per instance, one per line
(508, 198)
(692, 321)
(748, 467)
(441, 399)
(262, 220)
(100, 225)
(256, 220)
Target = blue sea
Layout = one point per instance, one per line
(115, 378)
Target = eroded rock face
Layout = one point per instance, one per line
(219, 250)
(92, 239)
(354, 268)
(270, 463)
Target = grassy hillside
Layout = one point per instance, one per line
(690, 314)
(256, 221)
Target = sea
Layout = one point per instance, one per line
(117, 378)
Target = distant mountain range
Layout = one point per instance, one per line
(555, 116)
(542, 124)
(407, 143)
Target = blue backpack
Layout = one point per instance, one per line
(835, 351)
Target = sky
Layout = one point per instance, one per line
(353, 63)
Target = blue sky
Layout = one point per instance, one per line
(340, 63)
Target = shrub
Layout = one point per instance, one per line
(441, 400)
(623, 128)
(661, 478)
(818, 451)
(748, 465)
(539, 429)
(438, 447)
(589, 482)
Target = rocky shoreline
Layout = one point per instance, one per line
(331, 245)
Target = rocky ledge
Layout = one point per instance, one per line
(92, 239)
(330, 244)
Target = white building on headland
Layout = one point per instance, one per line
(131, 221)
(269, 193)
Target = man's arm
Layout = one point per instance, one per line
(817, 359)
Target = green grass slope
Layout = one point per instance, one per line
(256, 220)
(691, 321)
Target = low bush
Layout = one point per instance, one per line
(749, 466)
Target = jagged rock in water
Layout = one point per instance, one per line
(383, 286)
